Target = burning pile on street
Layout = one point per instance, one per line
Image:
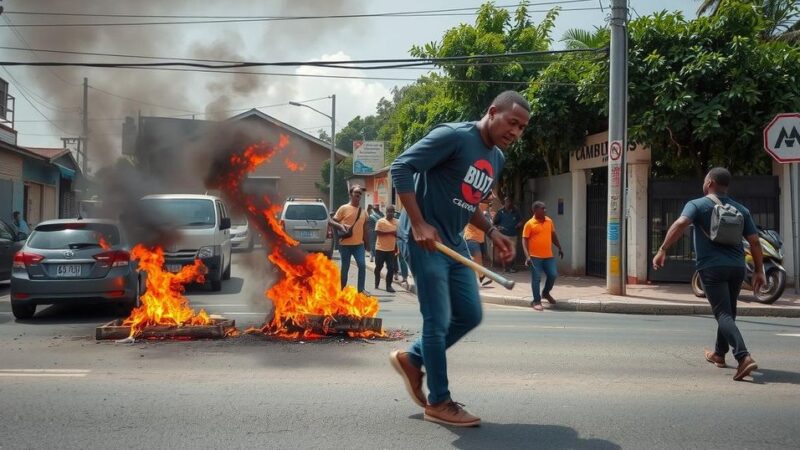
(308, 300)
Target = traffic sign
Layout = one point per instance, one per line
(782, 138)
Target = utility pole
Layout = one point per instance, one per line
(617, 147)
(85, 127)
(333, 151)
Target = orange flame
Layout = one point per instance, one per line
(164, 303)
(294, 166)
(103, 243)
(309, 287)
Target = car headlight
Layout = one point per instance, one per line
(205, 252)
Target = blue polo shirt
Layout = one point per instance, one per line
(710, 254)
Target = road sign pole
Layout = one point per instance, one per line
(794, 173)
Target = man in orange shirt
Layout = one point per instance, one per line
(385, 248)
(349, 217)
(538, 238)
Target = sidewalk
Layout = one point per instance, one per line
(588, 294)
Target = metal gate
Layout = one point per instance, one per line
(760, 194)
(596, 224)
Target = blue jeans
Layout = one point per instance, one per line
(539, 266)
(450, 307)
(403, 267)
(356, 251)
(722, 285)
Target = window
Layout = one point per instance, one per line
(306, 212)
(182, 212)
(73, 235)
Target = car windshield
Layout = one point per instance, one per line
(305, 212)
(74, 236)
(182, 212)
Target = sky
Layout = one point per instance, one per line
(48, 100)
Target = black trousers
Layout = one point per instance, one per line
(722, 285)
(388, 258)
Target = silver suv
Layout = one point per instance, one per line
(306, 220)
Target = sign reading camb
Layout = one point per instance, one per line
(367, 157)
(782, 138)
(594, 153)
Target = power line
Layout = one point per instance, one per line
(137, 101)
(250, 18)
(28, 46)
(33, 105)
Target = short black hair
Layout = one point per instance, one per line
(354, 187)
(539, 204)
(506, 100)
(15, 213)
(720, 176)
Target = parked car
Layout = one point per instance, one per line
(306, 220)
(11, 241)
(64, 261)
(241, 235)
(203, 232)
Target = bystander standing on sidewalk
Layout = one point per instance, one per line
(538, 238)
(20, 223)
(475, 239)
(369, 238)
(386, 248)
(720, 261)
(509, 221)
(351, 221)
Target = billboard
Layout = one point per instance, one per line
(367, 157)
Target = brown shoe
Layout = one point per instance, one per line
(715, 359)
(412, 376)
(746, 365)
(449, 412)
(549, 299)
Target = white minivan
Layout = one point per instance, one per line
(203, 232)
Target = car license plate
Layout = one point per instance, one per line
(308, 233)
(174, 268)
(68, 270)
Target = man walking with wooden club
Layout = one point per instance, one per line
(441, 179)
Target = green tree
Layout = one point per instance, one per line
(701, 91)
(781, 17)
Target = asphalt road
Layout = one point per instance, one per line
(538, 380)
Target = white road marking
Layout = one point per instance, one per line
(63, 373)
(788, 334)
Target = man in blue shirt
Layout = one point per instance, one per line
(721, 267)
(440, 180)
(20, 223)
(509, 222)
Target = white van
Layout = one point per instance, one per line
(203, 229)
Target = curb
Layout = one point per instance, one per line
(665, 309)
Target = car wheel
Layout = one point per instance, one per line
(227, 274)
(216, 285)
(23, 311)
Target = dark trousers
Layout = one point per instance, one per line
(382, 257)
(722, 286)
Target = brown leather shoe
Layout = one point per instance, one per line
(449, 412)
(715, 359)
(412, 376)
(746, 365)
(549, 298)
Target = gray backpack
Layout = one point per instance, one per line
(727, 224)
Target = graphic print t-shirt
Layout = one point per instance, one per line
(451, 170)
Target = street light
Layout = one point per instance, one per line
(333, 140)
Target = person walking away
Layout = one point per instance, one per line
(718, 233)
(440, 181)
(351, 222)
(538, 238)
(386, 244)
(369, 238)
(377, 215)
(509, 221)
(475, 238)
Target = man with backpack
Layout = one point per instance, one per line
(719, 225)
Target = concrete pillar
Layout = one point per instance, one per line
(638, 258)
(578, 256)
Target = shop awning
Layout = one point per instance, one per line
(66, 172)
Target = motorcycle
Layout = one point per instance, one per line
(772, 246)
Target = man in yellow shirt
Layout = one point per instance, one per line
(538, 238)
(348, 217)
(386, 248)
